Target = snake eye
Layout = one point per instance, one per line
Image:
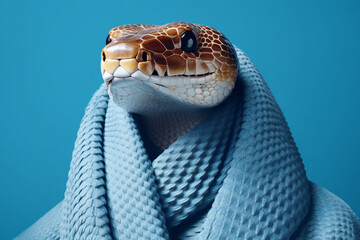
(108, 40)
(188, 41)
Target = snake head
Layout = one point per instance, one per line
(151, 67)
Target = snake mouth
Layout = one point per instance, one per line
(175, 81)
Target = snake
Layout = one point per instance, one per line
(184, 140)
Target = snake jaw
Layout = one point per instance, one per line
(197, 91)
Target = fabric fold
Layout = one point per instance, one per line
(133, 201)
(85, 205)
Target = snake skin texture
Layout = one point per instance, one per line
(237, 175)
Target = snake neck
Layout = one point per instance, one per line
(163, 129)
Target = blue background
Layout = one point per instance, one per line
(307, 51)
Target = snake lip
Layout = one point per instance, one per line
(181, 80)
(164, 82)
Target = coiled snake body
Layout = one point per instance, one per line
(191, 146)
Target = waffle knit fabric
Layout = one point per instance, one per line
(237, 175)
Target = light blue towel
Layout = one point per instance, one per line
(237, 175)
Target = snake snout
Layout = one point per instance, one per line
(118, 60)
(124, 59)
(120, 50)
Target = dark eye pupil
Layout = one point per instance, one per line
(108, 40)
(188, 41)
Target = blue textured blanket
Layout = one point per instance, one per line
(237, 175)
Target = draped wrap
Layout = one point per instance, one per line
(237, 175)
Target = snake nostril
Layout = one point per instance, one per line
(103, 56)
